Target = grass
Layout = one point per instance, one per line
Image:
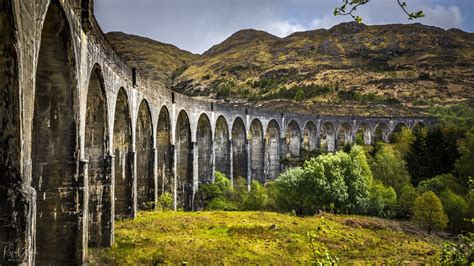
(261, 238)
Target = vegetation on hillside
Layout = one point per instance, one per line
(264, 238)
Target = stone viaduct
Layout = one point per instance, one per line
(84, 139)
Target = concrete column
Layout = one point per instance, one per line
(111, 163)
(175, 177)
(83, 213)
(133, 158)
(155, 174)
(213, 160)
(195, 151)
(249, 163)
(231, 164)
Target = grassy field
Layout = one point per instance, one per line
(263, 238)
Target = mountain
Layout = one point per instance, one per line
(351, 68)
(160, 62)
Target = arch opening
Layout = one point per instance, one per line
(239, 149)
(164, 152)
(95, 145)
(222, 146)
(310, 138)
(184, 163)
(397, 130)
(293, 139)
(363, 135)
(344, 136)
(204, 146)
(381, 132)
(54, 143)
(272, 151)
(256, 150)
(123, 187)
(144, 151)
(327, 137)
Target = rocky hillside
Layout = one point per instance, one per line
(350, 68)
(160, 62)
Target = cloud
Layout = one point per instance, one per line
(443, 16)
(283, 28)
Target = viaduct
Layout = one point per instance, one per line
(85, 140)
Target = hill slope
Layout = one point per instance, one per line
(350, 68)
(229, 238)
(160, 62)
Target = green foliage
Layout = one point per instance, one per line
(406, 198)
(333, 182)
(465, 163)
(461, 116)
(402, 141)
(455, 207)
(440, 183)
(460, 253)
(433, 152)
(257, 198)
(295, 161)
(382, 200)
(219, 191)
(389, 167)
(428, 212)
(165, 202)
(299, 95)
(320, 255)
(358, 178)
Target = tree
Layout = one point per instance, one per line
(389, 167)
(440, 183)
(349, 7)
(407, 197)
(382, 199)
(358, 178)
(455, 207)
(428, 212)
(402, 141)
(465, 163)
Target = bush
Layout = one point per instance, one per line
(428, 212)
(165, 202)
(358, 178)
(220, 189)
(300, 95)
(440, 183)
(382, 200)
(455, 207)
(257, 198)
(289, 191)
(389, 167)
(407, 197)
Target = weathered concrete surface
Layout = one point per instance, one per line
(84, 138)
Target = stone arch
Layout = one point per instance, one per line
(272, 150)
(95, 151)
(418, 125)
(144, 152)
(344, 135)
(163, 146)
(184, 162)
(310, 136)
(239, 149)
(327, 137)
(123, 187)
(54, 143)
(222, 146)
(293, 138)
(397, 129)
(255, 138)
(381, 132)
(204, 146)
(363, 134)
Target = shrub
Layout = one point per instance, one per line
(257, 198)
(165, 202)
(382, 200)
(300, 95)
(407, 196)
(455, 207)
(389, 167)
(289, 194)
(220, 188)
(440, 183)
(428, 212)
(358, 178)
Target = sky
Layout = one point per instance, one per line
(196, 25)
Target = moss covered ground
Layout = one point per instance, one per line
(263, 238)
